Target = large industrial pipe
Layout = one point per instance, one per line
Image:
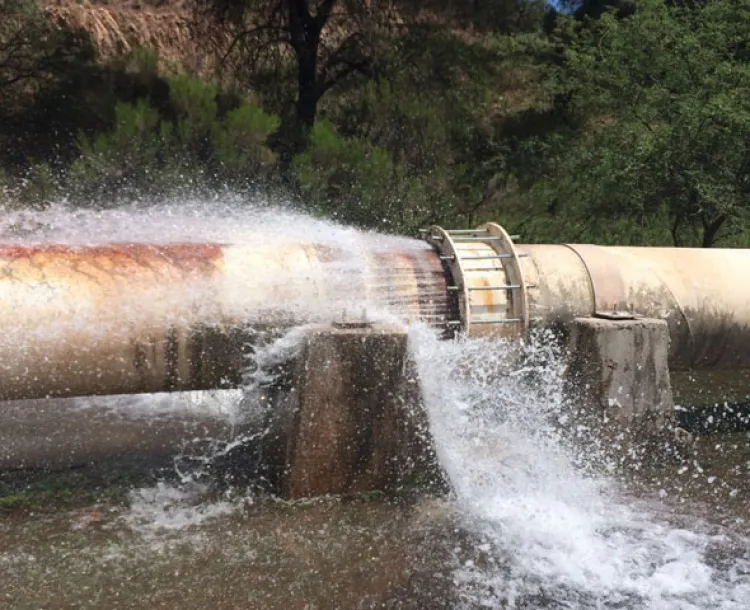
(135, 318)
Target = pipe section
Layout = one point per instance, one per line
(138, 318)
(65, 432)
(699, 292)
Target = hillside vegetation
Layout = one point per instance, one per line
(605, 121)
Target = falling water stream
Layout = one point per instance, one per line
(554, 534)
(532, 521)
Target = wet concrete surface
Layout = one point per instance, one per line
(710, 482)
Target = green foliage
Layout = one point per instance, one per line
(359, 183)
(125, 158)
(665, 95)
(428, 111)
(240, 143)
(413, 130)
(349, 178)
(185, 147)
(41, 186)
(195, 107)
(623, 126)
(144, 62)
(510, 16)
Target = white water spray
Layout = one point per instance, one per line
(548, 535)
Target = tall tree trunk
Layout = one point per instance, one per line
(711, 228)
(676, 241)
(307, 83)
(304, 33)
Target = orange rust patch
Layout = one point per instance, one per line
(122, 259)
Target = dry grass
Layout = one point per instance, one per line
(120, 26)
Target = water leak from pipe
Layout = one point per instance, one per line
(549, 532)
(530, 524)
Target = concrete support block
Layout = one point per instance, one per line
(347, 417)
(618, 374)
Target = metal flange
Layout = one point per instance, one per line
(487, 278)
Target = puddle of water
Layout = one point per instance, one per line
(171, 549)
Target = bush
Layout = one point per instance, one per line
(240, 146)
(125, 159)
(184, 147)
(195, 108)
(358, 183)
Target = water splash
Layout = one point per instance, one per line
(165, 515)
(260, 265)
(170, 513)
(226, 219)
(549, 534)
(239, 457)
(546, 533)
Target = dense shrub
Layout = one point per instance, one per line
(186, 147)
(240, 144)
(359, 183)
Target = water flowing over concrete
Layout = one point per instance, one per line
(550, 533)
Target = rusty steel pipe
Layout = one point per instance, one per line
(138, 318)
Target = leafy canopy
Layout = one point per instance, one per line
(664, 96)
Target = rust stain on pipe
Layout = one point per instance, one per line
(107, 263)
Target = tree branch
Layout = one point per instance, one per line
(242, 36)
(362, 66)
(360, 63)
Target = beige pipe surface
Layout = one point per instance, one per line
(504, 289)
(702, 293)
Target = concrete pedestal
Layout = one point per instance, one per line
(347, 417)
(618, 374)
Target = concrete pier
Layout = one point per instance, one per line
(618, 374)
(347, 417)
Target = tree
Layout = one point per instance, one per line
(666, 97)
(33, 49)
(329, 41)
